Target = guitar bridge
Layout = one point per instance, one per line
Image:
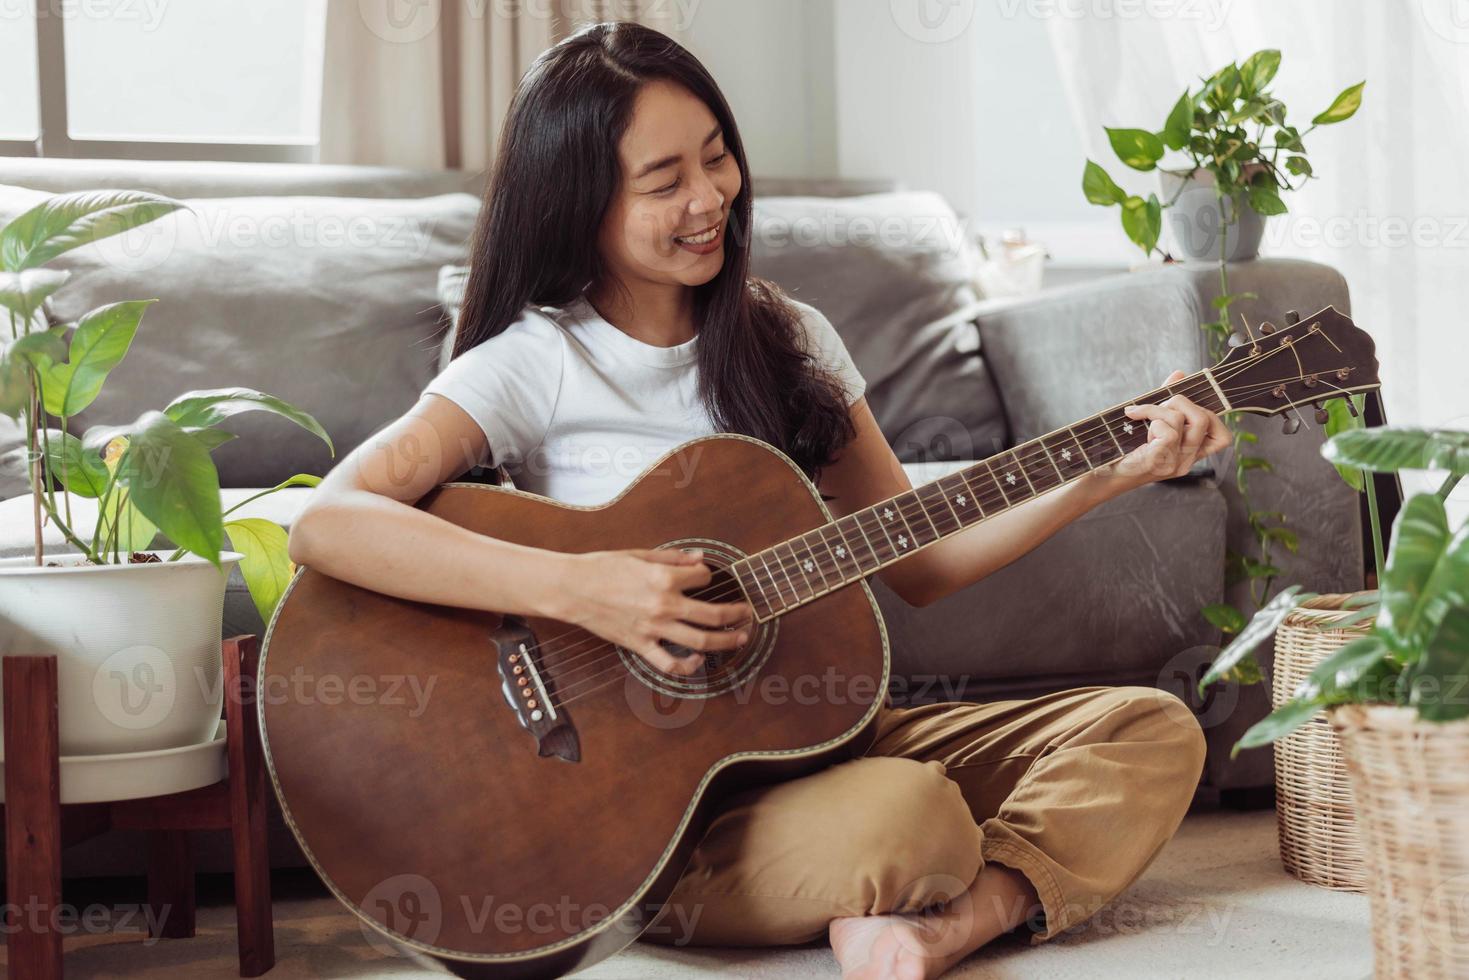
(530, 691)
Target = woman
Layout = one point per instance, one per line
(609, 316)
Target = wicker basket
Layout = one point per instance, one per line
(1412, 790)
(1314, 811)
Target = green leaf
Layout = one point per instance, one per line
(1143, 221)
(172, 480)
(1298, 165)
(1285, 536)
(1387, 449)
(1224, 87)
(1255, 632)
(1225, 617)
(266, 567)
(1099, 187)
(1180, 119)
(63, 222)
(1229, 299)
(1339, 420)
(1279, 723)
(1344, 106)
(1289, 138)
(1427, 574)
(1265, 199)
(202, 409)
(40, 348)
(70, 466)
(1256, 463)
(1258, 69)
(1137, 148)
(101, 340)
(1339, 672)
(1446, 662)
(24, 292)
(127, 526)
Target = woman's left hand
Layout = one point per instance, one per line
(1180, 432)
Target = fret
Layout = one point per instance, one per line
(754, 593)
(841, 552)
(785, 571)
(881, 532)
(770, 575)
(1010, 466)
(815, 561)
(1067, 454)
(909, 500)
(1036, 463)
(1107, 424)
(1129, 433)
(987, 484)
(1096, 441)
(855, 519)
(890, 512)
(797, 562)
(923, 495)
(960, 496)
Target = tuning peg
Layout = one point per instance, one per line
(1267, 327)
(1321, 414)
(1292, 318)
(1292, 424)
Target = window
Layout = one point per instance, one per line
(207, 79)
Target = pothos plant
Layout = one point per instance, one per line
(150, 475)
(1234, 128)
(1416, 651)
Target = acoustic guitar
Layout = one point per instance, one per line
(508, 796)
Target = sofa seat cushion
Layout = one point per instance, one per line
(327, 302)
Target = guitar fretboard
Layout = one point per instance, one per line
(824, 559)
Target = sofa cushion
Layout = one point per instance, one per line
(327, 302)
(894, 273)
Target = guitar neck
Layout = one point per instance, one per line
(798, 570)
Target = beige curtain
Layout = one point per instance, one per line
(426, 83)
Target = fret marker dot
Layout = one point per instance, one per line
(841, 552)
(1010, 478)
(809, 565)
(1127, 427)
(903, 540)
(1066, 455)
(961, 500)
(887, 512)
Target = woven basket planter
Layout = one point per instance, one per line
(1412, 789)
(1314, 810)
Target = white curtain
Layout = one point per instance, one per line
(426, 83)
(1391, 207)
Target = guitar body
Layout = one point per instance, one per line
(402, 748)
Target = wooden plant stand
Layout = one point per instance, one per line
(38, 826)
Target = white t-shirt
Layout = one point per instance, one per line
(575, 408)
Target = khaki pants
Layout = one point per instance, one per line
(1077, 790)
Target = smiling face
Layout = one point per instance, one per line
(668, 219)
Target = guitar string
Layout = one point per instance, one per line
(565, 667)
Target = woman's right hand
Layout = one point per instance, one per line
(634, 597)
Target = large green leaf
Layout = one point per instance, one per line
(1391, 448)
(1099, 187)
(1342, 670)
(66, 221)
(266, 566)
(1137, 148)
(201, 409)
(1279, 723)
(24, 292)
(1344, 106)
(1427, 575)
(1258, 69)
(1438, 683)
(73, 467)
(15, 385)
(172, 480)
(1143, 221)
(101, 340)
(1340, 419)
(126, 525)
(1180, 120)
(1261, 625)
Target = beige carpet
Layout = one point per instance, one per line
(1216, 903)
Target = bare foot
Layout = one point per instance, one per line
(889, 947)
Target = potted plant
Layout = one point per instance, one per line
(1398, 695)
(1228, 138)
(136, 631)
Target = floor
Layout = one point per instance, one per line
(1215, 903)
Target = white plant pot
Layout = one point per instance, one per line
(1194, 219)
(138, 646)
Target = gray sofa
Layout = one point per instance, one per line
(351, 329)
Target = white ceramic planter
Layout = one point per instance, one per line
(1194, 219)
(137, 646)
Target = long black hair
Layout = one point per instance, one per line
(535, 241)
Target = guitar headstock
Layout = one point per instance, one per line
(1310, 360)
